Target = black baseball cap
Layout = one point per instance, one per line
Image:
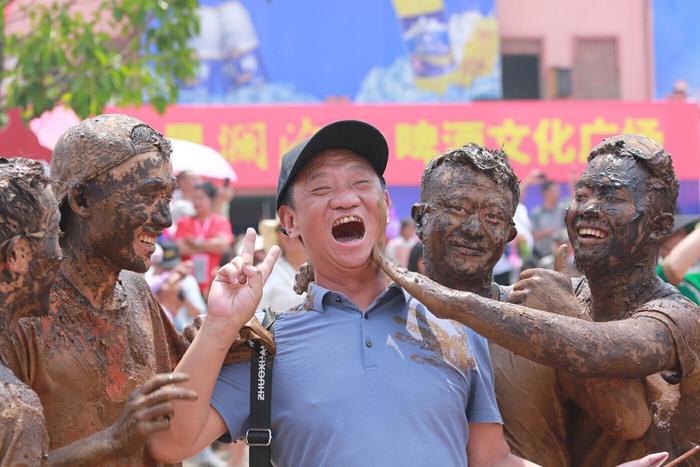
(354, 135)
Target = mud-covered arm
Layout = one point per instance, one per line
(631, 348)
(618, 406)
(148, 410)
(95, 449)
(23, 436)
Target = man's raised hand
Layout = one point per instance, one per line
(237, 288)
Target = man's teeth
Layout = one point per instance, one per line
(346, 219)
(150, 239)
(592, 232)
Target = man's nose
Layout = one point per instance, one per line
(162, 216)
(345, 199)
(590, 208)
(471, 224)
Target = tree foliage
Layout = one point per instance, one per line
(125, 52)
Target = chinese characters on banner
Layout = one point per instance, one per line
(554, 137)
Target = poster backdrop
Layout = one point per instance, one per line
(255, 51)
(554, 137)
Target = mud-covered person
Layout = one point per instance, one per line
(29, 258)
(94, 359)
(364, 374)
(465, 220)
(621, 325)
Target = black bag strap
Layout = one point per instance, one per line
(259, 435)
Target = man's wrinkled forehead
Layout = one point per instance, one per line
(324, 162)
(449, 180)
(137, 166)
(609, 171)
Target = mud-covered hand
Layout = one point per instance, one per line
(148, 410)
(303, 277)
(237, 288)
(548, 290)
(240, 350)
(421, 287)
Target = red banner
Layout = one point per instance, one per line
(554, 136)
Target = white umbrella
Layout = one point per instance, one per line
(200, 159)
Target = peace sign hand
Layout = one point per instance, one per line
(237, 288)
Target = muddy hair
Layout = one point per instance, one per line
(654, 158)
(22, 181)
(492, 162)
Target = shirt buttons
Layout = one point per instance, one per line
(368, 343)
(338, 299)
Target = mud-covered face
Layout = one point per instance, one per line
(38, 256)
(47, 251)
(608, 218)
(129, 208)
(339, 211)
(466, 222)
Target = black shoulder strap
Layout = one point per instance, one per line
(259, 435)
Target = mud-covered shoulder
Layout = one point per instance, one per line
(23, 437)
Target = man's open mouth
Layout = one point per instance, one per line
(468, 249)
(147, 239)
(348, 229)
(591, 232)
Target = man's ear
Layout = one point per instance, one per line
(418, 215)
(12, 254)
(77, 200)
(662, 226)
(6, 252)
(387, 204)
(288, 221)
(513, 233)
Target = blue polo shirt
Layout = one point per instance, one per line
(395, 386)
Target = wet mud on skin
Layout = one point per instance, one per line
(464, 223)
(28, 295)
(663, 334)
(105, 334)
(613, 348)
(302, 279)
(23, 437)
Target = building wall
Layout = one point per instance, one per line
(557, 24)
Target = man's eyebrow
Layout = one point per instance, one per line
(315, 175)
(155, 183)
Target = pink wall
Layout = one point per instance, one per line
(557, 23)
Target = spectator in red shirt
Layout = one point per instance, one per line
(204, 237)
